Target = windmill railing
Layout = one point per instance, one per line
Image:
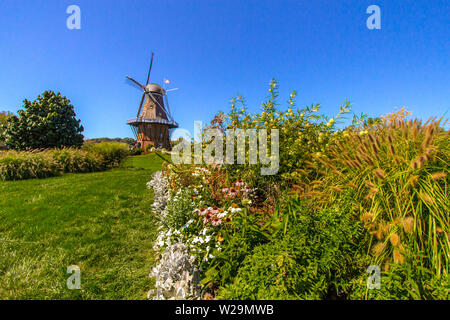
(137, 121)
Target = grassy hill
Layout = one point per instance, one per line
(100, 221)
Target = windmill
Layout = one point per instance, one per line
(153, 120)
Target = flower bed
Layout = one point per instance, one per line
(372, 194)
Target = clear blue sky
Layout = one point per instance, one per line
(214, 49)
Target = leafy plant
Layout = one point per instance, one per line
(47, 122)
(313, 257)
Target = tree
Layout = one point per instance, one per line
(47, 122)
(3, 121)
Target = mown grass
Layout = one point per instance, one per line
(100, 221)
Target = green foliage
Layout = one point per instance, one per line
(179, 209)
(18, 165)
(47, 122)
(112, 153)
(240, 237)
(313, 257)
(129, 141)
(408, 281)
(303, 134)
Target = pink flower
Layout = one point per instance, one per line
(240, 183)
(202, 211)
(214, 210)
(224, 190)
(216, 221)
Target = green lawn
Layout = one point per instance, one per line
(101, 222)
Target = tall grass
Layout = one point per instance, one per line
(397, 173)
(18, 165)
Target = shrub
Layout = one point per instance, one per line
(112, 153)
(397, 174)
(405, 281)
(27, 165)
(18, 165)
(47, 122)
(303, 133)
(312, 257)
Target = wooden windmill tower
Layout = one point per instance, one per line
(153, 120)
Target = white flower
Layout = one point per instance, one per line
(222, 214)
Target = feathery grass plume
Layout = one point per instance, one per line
(420, 162)
(372, 140)
(371, 193)
(316, 193)
(379, 173)
(336, 189)
(429, 133)
(394, 239)
(311, 165)
(358, 164)
(370, 184)
(368, 216)
(439, 230)
(398, 257)
(415, 130)
(405, 131)
(426, 198)
(414, 164)
(438, 175)
(413, 180)
(386, 266)
(302, 171)
(350, 164)
(367, 159)
(379, 233)
(352, 185)
(358, 159)
(375, 151)
(408, 224)
(387, 227)
(378, 248)
(429, 153)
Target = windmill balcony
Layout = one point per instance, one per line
(137, 121)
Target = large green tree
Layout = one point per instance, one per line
(47, 122)
(3, 121)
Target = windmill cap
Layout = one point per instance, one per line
(153, 87)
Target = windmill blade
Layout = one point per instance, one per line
(169, 114)
(140, 105)
(150, 69)
(137, 83)
(168, 90)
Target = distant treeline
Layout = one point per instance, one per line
(129, 141)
